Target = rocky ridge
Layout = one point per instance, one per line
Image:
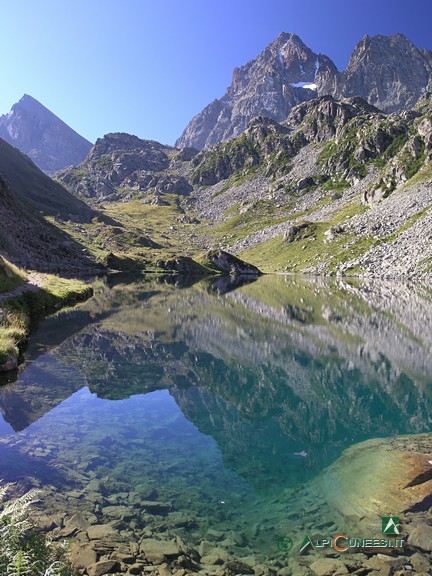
(330, 163)
(27, 195)
(123, 166)
(389, 72)
(47, 140)
(34, 243)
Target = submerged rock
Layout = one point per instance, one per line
(421, 537)
(328, 567)
(101, 568)
(158, 550)
(10, 364)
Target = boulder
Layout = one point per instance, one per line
(421, 537)
(227, 263)
(101, 531)
(328, 567)
(101, 568)
(82, 555)
(158, 551)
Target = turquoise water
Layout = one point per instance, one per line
(217, 407)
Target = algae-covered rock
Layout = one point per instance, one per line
(328, 567)
(11, 363)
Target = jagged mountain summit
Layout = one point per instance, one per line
(47, 140)
(284, 75)
(389, 72)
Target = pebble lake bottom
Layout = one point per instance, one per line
(215, 412)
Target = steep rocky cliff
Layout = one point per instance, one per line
(47, 140)
(285, 74)
(389, 72)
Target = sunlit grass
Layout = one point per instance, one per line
(11, 276)
(16, 313)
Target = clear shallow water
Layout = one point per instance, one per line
(214, 407)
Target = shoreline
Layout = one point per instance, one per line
(42, 295)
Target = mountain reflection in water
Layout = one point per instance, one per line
(276, 378)
(279, 367)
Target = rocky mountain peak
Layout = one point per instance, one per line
(285, 74)
(29, 104)
(389, 72)
(45, 138)
(121, 141)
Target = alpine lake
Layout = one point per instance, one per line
(217, 412)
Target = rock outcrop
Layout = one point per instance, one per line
(229, 264)
(122, 161)
(47, 140)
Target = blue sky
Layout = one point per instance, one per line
(147, 66)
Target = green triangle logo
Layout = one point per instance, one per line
(391, 525)
(306, 542)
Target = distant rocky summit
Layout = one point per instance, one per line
(124, 166)
(389, 72)
(47, 140)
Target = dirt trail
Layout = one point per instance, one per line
(34, 282)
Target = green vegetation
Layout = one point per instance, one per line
(394, 148)
(18, 312)
(23, 550)
(271, 150)
(220, 162)
(260, 214)
(425, 265)
(327, 153)
(413, 165)
(11, 276)
(336, 185)
(307, 252)
(425, 173)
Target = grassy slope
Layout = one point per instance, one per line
(279, 255)
(11, 276)
(165, 225)
(18, 312)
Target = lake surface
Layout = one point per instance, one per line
(181, 410)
